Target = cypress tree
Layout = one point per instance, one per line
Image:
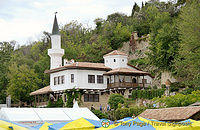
(136, 8)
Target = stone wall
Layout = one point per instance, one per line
(103, 100)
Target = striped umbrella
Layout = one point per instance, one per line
(81, 123)
(44, 126)
(8, 125)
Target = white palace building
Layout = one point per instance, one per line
(96, 80)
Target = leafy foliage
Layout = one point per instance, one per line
(188, 62)
(100, 115)
(136, 8)
(121, 113)
(6, 49)
(23, 81)
(73, 95)
(147, 94)
(114, 100)
(174, 87)
(58, 103)
(179, 100)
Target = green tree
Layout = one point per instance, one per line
(180, 2)
(142, 4)
(114, 100)
(164, 47)
(6, 49)
(100, 115)
(136, 8)
(120, 34)
(99, 23)
(22, 81)
(116, 18)
(188, 63)
(179, 100)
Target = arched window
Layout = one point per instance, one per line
(134, 80)
(114, 60)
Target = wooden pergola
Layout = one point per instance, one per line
(125, 72)
(42, 96)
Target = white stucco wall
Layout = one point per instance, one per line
(80, 80)
(120, 61)
(55, 52)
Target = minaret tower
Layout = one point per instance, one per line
(55, 52)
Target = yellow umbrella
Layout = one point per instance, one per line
(7, 125)
(44, 126)
(81, 124)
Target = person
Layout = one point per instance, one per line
(104, 109)
(108, 107)
(100, 108)
(133, 115)
(92, 107)
(144, 103)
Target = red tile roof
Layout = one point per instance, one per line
(42, 91)
(116, 52)
(170, 114)
(127, 71)
(81, 65)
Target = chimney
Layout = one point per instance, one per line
(66, 62)
(72, 61)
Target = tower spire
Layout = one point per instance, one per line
(55, 29)
(56, 52)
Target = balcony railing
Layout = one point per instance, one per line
(123, 85)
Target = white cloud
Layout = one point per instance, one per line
(21, 20)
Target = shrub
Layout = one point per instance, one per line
(114, 100)
(147, 94)
(149, 87)
(174, 87)
(136, 110)
(179, 99)
(58, 103)
(99, 114)
(155, 87)
(134, 94)
(163, 86)
(187, 91)
(122, 113)
(70, 99)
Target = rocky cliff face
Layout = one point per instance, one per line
(136, 48)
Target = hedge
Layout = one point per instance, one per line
(147, 94)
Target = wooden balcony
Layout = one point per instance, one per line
(123, 85)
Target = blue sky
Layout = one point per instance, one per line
(25, 20)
